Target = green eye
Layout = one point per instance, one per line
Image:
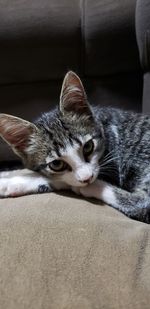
(88, 148)
(58, 165)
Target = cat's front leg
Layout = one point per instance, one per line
(100, 190)
(135, 205)
(24, 182)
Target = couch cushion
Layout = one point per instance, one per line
(63, 252)
(110, 41)
(39, 40)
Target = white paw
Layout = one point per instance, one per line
(19, 185)
(7, 188)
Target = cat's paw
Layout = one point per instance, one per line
(44, 188)
(8, 188)
(20, 185)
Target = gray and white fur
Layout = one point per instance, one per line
(96, 152)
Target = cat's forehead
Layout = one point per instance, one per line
(60, 134)
(61, 126)
(67, 147)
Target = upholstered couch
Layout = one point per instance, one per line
(59, 251)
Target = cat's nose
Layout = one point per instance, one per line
(87, 179)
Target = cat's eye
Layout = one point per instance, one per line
(58, 165)
(88, 148)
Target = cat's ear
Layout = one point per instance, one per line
(73, 97)
(16, 132)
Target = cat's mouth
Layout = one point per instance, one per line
(86, 183)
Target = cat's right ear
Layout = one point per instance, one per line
(16, 132)
(73, 96)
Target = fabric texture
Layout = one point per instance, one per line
(64, 252)
(109, 35)
(38, 39)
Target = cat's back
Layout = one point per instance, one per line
(127, 132)
(116, 116)
(125, 123)
(128, 141)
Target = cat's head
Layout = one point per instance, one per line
(64, 144)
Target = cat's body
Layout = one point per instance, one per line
(127, 135)
(96, 152)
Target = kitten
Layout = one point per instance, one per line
(97, 152)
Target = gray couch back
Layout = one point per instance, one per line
(41, 40)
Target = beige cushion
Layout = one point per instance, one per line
(61, 252)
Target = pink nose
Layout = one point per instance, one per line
(87, 180)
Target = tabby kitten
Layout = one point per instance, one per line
(97, 152)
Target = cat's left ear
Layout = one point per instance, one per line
(17, 132)
(73, 97)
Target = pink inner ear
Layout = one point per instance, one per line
(15, 131)
(18, 137)
(73, 97)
